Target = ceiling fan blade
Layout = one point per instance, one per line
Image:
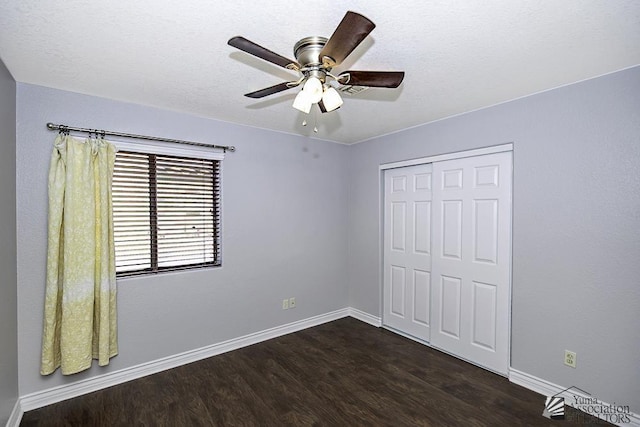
(271, 90)
(348, 35)
(263, 53)
(390, 79)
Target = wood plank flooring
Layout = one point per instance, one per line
(343, 373)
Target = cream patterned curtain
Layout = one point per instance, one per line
(80, 301)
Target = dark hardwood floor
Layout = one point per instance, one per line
(343, 373)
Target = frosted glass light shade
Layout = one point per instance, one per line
(302, 102)
(313, 87)
(331, 99)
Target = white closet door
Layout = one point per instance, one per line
(472, 259)
(407, 250)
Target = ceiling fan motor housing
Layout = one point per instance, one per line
(307, 53)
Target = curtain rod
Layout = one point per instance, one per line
(65, 128)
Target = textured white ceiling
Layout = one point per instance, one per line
(458, 55)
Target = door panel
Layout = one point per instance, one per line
(407, 250)
(471, 266)
(399, 226)
(484, 315)
(450, 306)
(422, 227)
(398, 284)
(452, 229)
(485, 230)
(421, 300)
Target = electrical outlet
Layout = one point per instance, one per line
(285, 304)
(292, 302)
(570, 358)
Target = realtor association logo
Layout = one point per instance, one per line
(591, 409)
(554, 408)
(554, 405)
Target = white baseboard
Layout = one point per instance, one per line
(68, 391)
(57, 394)
(533, 383)
(16, 415)
(547, 388)
(365, 317)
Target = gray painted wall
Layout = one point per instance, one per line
(284, 235)
(301, 218)
(576, 226)
(8, 281)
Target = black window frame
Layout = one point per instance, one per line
(158, 211)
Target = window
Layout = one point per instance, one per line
(166, 212)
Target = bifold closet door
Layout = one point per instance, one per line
(471, 260)
(407, 250)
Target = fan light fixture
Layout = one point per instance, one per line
(313, 86)
(314, 92)
(331, 99)
(302, 102)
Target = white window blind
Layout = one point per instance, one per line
(166, 212)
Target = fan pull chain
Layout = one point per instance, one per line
(315, 120)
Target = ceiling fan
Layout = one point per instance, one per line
(315, 58)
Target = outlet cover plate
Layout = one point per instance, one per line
(570, 358)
